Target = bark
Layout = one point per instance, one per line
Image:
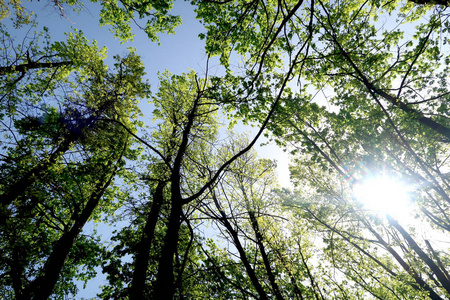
(16, 272)
(143, 252)
(182, 266)
(165, 288)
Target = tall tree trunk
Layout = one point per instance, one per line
(143, 252)
(16, 273)
(182, 266)
(250, 272)
(42, 287)
(262, 250)
(445, 282)
(165, 287)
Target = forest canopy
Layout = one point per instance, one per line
(355, 92)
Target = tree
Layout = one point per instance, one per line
(264, 261)
(389, 104)
(178, 174)
(65, 164)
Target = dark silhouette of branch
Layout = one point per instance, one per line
(23, 68)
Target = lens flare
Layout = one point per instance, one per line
(383, 195)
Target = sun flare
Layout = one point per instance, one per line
(383, 194)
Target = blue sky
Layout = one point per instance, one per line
(176, 52)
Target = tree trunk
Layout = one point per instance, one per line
(250, 272)
(42, 287)
(445, 282)
(165, 288)
(420, 282)
(262, 250)
(143, 252)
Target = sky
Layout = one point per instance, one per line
(177, 53)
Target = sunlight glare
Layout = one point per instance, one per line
(383, 194)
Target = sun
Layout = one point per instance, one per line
(383, 194)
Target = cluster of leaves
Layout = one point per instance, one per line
(119, 14)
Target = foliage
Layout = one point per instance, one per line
(120, 15)
(61, 150)
(201, 216)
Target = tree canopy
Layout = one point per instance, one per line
(351, 90)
